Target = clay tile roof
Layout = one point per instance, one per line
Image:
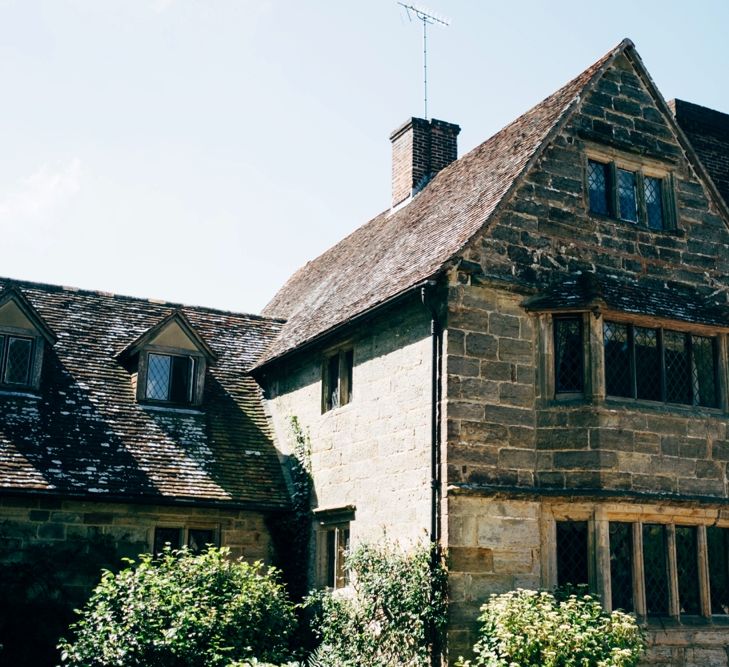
(395, 251)
(84, 434)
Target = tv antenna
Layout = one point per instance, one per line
(427, 18)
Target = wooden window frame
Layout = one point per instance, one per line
(184, 531)
(198, 376)
(344, 381)
(339, 523)
(598, 520)
(36, 359)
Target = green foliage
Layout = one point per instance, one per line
(292, 532)
(395, 609)
(540, 629)
(183, 610)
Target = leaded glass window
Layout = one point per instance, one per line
(198, 539)
(337, 379)
(621, 565)
(653, 202)
(16, 354)
(655, 567)
(572, 567)
(627, 195)
(568, 355)
(164, 536)
(618, 360)
(598, 185)
(170, 378)
(688, 570)
(703, 371)
(337, 547)
(659, 365)
(717, 540)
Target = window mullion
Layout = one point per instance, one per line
(674, 604)
(703, 563)
(638, 573)
(613, 189)
(602, 558)
(640, 186)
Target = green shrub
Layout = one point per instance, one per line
(183, 610)
(394, 610)
(540, 629)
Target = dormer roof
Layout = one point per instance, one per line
(14, 296)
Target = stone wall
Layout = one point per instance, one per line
(373, 453)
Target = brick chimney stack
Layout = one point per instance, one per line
(420, 149)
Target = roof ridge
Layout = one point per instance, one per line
(32, 284)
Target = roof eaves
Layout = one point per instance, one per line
(16, 295)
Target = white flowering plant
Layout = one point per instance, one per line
(526, 628)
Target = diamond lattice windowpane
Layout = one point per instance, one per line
(678, 371)
(627, 195)
(655, 566)
(158, 377)
(647, 364)
(597, 180)
(703, 371)
(572, 552)
(17, 364)
(618, 376)
(568, 354)
(717, 540)
(688, 569)
(621, 565)
(653, 202)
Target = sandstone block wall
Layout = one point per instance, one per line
(373, 453)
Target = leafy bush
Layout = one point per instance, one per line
(395, 609)
(540, 629)
(183, 610)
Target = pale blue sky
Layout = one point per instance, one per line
(201, 151)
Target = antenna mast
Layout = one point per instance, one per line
(427, 18)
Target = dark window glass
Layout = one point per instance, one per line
(568, 354)
(621, 565)
(170, 378)
(181, 379)
(627, 195)
(678, 372)
(572, 552)
(349, 362)
(647, 364)
(718, 547)
(598, 185)
(331, 557)
(688, 569)
(703, 371)
(655, 566)
(198, 539)
(618, 373)
(332, 382)
(653, 202)
(342, 549)
(17, 360)
(165, 535)
(158, 377)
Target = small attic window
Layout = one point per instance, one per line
(16, 354)
(170, 378)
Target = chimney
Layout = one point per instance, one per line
(708, 132)
(420, 149)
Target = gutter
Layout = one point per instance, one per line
(427, 296)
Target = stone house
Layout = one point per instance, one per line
(124, 424)
(524, 360)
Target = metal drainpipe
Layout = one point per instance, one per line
(436, 334)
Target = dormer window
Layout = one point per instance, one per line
(23, 335)
(16, 354)
(168, 363)
(170, 378)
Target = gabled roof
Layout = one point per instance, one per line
(17, 297)
(178, 317)
(396, 251)
(84, 434)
